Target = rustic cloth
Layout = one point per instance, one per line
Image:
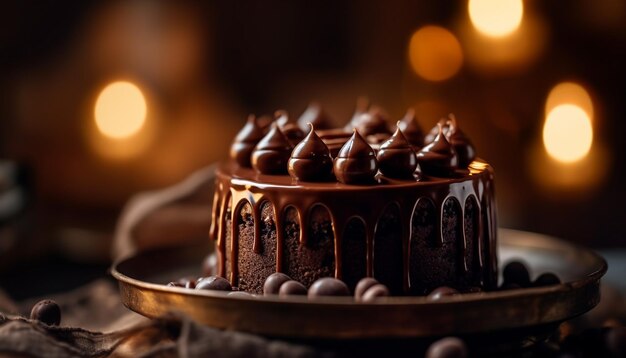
(110, 330)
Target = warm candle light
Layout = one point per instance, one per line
(496, 18)
(120, 110)
(567, 133)
(435, 53)
(569, 92)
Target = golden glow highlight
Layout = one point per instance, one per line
(496, 18)
(120, 110)
(435, 53)
(567, 133)
(572, 93)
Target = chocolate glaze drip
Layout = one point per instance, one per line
(356, 161)
(271, 154)
(315, 115)
(235, 188)
(438, 158)
(462, 145)
(290, 128)
(411, 129)
(310, 159)
(246, 140)
(396, 158)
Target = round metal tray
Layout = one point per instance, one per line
(521, 315)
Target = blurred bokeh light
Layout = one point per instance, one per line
(435, 53)
(496, 18)
(567, 133)
(120, 110)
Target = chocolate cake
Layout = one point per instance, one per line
(414, 212)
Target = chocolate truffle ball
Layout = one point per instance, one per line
(273, 282)
(516, 272)
(362, 286)
(328, 286)
(46, 311)
(441, 292)
(215, 283)
(375, 292)
(292, 288)
(450, 347)
(546, 279)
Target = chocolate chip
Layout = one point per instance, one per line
(328, 286)
(374, 292)
(273, 282)
(216, 283)
(450, 347)
(516, 272)
(363, 285)
(440, 292)
(290, 288)
(546, 279)
(46, 311)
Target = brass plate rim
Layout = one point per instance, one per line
(407, 316)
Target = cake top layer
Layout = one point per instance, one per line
(364, 152)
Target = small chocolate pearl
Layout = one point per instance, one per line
(374, 292)
(615, 341)
(273, 282)
(328, 286)
(450, 347)
(216, 283)
(239, 294)
(291, 288)
(546, 279)
(516, 272)
(441, 292)
(363, 285)
(46, 311)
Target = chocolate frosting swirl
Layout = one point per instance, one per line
(289, 127)
(315, 115)
(310, 159)
(271, 154)
(411, 129)
(246, 140)
(438, 158)
(356, 161)
(396, 158)
(464, 148)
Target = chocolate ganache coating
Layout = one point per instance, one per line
(310, 159)
(438, 158)
(411, 129)
(271, 154)
(289, 127)
(356, 162)
(246, 140)
(396, 158)
(315, 115)
(462, 145)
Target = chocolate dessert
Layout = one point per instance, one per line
(414, 213)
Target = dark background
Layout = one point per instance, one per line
(203, 66)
